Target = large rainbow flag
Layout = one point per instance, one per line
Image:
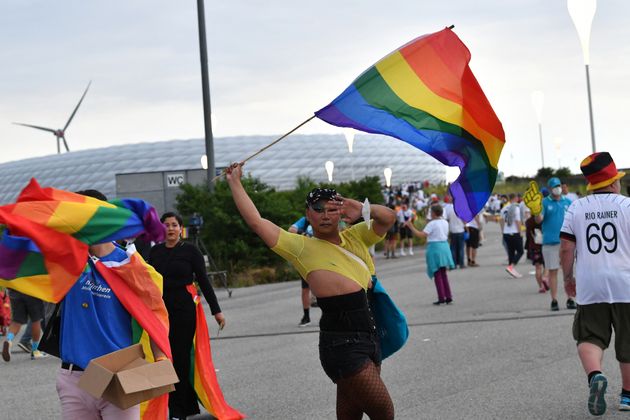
(50, 231)
(425, 94)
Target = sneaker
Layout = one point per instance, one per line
(26, 347)
(596, 400)
(305, 321)
(512, 271)
(542, 290)
(554, 305)
(448, 301)
(438, 302)
(38, 355)
(6, 351)
(624, 403)
(410, 251)
(402, 252)
(571, 304)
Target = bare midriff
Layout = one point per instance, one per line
(325, 283)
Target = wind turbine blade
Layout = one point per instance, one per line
(65, 144)
(77, 107)
(37, 127)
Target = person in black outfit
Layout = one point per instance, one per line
(177, 261)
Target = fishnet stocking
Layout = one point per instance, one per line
(366, 393)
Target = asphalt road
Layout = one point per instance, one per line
(496, 353)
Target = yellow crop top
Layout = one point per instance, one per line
(310, 254)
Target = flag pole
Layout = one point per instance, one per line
(266, 147)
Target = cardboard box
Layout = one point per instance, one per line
(125, 378)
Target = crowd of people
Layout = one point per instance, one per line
(586, 237)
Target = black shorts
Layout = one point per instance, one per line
(305, 285)
(405, 233)
(594, 324)
(473, 238)
(348, 340)
(24, 307)
(536, 256)
(343, 354)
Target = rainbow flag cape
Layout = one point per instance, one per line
(425, 94)
(139, 289)
(38, 258)
(202, 373)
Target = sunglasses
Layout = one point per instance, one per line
(320, 207)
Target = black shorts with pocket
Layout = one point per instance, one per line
(347, 340)
(25, 307)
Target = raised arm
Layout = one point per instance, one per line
(265, 229)
(420, 233)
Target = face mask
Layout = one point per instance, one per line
(556, 191)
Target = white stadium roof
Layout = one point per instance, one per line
(280, 166)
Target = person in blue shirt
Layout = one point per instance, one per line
(552, 217)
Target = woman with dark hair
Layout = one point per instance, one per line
(178, 261)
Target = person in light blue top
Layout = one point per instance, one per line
(552, 216)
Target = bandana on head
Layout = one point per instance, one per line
(318, 194)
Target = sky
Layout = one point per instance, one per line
(273, 63)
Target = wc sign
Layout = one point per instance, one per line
(175, 180)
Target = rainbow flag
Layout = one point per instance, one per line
(202, 373)
(36, 256)
(139, 289)
(425, 94)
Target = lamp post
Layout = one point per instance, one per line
(388, 177)
(582, 13)
(329, 169)
(348, 133)
(205, 87)
(538, 100)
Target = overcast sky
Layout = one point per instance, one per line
(273, 63)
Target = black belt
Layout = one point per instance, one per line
(71, 367)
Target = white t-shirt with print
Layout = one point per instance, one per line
(600, 226)
(436, 230)
(513, 228)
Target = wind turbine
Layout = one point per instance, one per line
(61, 132)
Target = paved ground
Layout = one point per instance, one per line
(496, 353)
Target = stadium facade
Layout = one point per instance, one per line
(134, 168)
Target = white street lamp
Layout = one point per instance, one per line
(538, 100)
(204, 162)
(388, 177)
(582, 13)
(348, 133)
(329, 169)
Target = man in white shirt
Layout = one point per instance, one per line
(596, 235)
(511, 227)
(456, 229)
